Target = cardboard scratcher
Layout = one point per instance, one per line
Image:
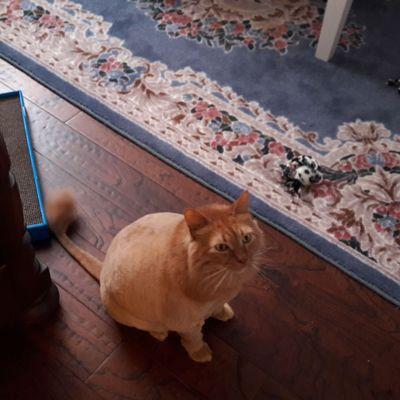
(14, 127)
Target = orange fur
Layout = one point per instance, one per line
(61, 213)
(170, 272)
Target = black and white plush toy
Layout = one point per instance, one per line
(394, 83)
(301, 171)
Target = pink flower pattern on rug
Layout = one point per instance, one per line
(264, 24)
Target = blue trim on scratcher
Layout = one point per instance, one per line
(33, 159)
(39, 231)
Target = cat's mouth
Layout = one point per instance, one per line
(239, 266)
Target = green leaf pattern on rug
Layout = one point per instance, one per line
(263, 24)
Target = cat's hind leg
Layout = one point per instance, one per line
(161, 336)
(194, 344)
(225, 313)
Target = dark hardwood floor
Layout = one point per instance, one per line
(303, 329)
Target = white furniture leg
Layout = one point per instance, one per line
(335, 16)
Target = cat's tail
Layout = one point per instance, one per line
(61, 212)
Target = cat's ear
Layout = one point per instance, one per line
(241, 205)
(194, 220)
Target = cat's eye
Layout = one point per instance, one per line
(247, 238)
(221, 247)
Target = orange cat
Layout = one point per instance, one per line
(170, 272)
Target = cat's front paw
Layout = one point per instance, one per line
(202, 355)
(225, 314)
(161, 336)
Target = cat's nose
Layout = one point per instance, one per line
(241, 257)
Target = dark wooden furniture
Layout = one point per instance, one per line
(27, 294)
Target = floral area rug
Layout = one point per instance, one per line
(226, 91)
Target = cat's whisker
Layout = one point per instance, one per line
(257, 268)
(266, 263)
(209, 280)
(268, 248)
(214, 274)
(264, 251)
(222, 279)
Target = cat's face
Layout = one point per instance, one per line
(225, 235)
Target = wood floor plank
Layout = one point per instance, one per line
(68, 274)
(15, 79)
(99, 219)
(312, 359)
(27, 373)
(295, 271)
(76, 337)
(129, 373)
(169, 178)
(98, 169)
(229, 376)
(272, 391)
